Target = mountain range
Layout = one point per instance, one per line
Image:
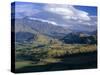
(29, 30)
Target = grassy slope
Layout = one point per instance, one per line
(55, 53)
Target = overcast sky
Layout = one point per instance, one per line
(58, 14)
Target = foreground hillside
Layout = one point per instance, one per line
(60, 57)
(76, 61)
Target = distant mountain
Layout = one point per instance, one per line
(37, 26)
(81, 38)
(25, 37)
(28, 30)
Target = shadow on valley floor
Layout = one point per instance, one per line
(71, 62)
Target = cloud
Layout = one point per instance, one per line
(42, 20)
(57, 14)
(26, 10)
(67, 12)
